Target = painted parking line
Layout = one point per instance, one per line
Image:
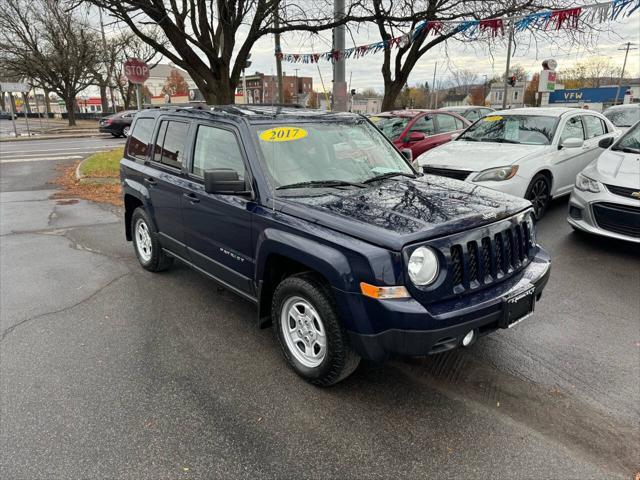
(40, 159)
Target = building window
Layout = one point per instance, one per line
(497, 96)
(515, 95)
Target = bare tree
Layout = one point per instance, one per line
(464, 79)
(212, 39)
(51, 46)
(590, 73)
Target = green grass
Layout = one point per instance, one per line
(103, 164)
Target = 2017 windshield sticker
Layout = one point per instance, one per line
(492, 118)
(283, 134)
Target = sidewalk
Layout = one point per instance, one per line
(56, 128)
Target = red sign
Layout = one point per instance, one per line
(136, 70)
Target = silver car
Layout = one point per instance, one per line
(623, 116)
(606, 197)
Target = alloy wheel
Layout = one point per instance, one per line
(143, 240)
(303, 331)
(539, 196)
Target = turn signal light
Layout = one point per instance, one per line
(383, 293)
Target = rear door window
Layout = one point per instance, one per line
(170, 143)
(594, 125)
(140, 138)
(446, 123)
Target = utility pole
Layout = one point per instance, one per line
(484, 91)
(506, 72)
(106, 62)
(433, 86)
(339, 64)
(624, 65)
(276, 25)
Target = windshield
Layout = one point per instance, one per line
(327, 154)
(391, 127)
(623, 117)
(630, 142)
(522, 129)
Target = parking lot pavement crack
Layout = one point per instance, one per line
(10, 329)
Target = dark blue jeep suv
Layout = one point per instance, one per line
(319, 221)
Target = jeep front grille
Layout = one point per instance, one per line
(487, 259)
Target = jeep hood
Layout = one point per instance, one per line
(398, 211)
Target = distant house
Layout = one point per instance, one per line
(158, 77)
(456, 99)
(515, 95)
(366, 105)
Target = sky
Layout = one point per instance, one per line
(475, 56)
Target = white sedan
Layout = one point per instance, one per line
(534, 153)
(606, 197)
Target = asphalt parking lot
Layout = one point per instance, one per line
(109, 371)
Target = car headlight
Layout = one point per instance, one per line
(531, 227)
(586, 184)
(423, 266)
(497, 174)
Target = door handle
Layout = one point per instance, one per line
(192, 197)
(151, 181)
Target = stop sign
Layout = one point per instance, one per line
(136, 70)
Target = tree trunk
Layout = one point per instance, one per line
(27, 105)
(103, 98)
(2, 107)
(391, 91)
(70, 105)
(47, 102)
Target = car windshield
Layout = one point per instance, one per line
(522, 129)
(623, 117)
(630, 142)
(327, 154)
(392, 127)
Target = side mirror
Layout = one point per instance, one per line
(572, 143)
(605, 142)
(416, 137)
(223, 181)
(407, 153)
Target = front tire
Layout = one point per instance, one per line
(125, 131)
(309, 331)
(539, 194)
(146, 243)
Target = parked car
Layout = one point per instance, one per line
(6, 115)
(117, 124)
(534, 153)
(470, 112)
(316, 219)
(606, 197)
(623, 116)
(419, 130)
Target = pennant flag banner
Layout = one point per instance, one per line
(568, 18)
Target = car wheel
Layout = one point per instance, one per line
(309, 331)
(125, 131)
(539, 194)
(146, 243)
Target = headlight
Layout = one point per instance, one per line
(531, 227)
(423, 266)
(497, 174)
(585, 184)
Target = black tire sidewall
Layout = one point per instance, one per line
(535, 179)
(318, 297)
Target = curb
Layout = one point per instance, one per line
(86, 179)
(53, 137)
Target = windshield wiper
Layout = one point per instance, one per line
(388, 175)
(468, 139)
(499, 140)
(320, 184)
(628, 150)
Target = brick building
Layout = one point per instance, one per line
(263, 88)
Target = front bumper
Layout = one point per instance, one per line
(445, 323)
(581, 215)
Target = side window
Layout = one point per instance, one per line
(572, 129)
(424, 125)
(140, 138)
(446, 123)
(594, 126)
(169, 148)
(460, 123)
(216, 148)
(472, 116)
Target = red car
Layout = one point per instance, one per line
(419, 130)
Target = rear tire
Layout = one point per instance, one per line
(539, 194)
(309, 331)
(146, 243)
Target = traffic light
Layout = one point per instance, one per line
(247, 63)
(512, 80)
(353, 91)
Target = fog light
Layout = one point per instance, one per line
(468, 338)
(575, 212)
